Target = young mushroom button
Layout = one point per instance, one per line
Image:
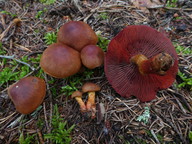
(140, 61)
(27, 94)
(78, 96)
(92, 56)
(91, 88)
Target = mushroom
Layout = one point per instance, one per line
(60, 61)
(140, 61)
(27, 94)
(92, 56)
(77, 35)
(91, 88)
(78, 96)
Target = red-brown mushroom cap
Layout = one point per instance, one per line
(92, 56)
(27, 94)
(76, 94)
(124, 76)
(60, 61)
(77, 35)
(90, 87)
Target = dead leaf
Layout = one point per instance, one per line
(145, 4)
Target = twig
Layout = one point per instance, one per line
(187, 15)
(181, 97)
(12, 57)
(15, 122)
(155, 137)
(40, 136)
(170, 8)
(6, 118)
(84, 139)
(45, 115)
(22, 47)
(127, 106)
(50, 98)
(172, 125)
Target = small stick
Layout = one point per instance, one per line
(50, 98)
(6, 118)
(154, 135)
(84, 139)
(22, 47)
(40, 136)
(15, 122)
(126, 106)
(172, 125)
(12, 57)
(45, 116)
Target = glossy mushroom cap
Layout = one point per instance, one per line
(92, 56)
(27, 94)
(90, 87)
(77, 35)
(60, 61)
(124, 75)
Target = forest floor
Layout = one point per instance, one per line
(166, 119)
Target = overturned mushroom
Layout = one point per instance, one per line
(140, 61)
(91, 88)
(78, 96)
(27, 94)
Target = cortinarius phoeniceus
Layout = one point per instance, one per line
(140, 61)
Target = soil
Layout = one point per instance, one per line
(170, 118)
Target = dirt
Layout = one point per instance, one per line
(170, 113)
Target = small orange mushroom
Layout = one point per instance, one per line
(78, 96)
(91, 88)
(92, 56)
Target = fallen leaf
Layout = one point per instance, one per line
(145, 4)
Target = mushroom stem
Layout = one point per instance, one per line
(91, 100)
(91, 104)
(81, 103)
(158, 64)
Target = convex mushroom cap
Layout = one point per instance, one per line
(90, 87)
(60, 61)
(140, 61)
(77, 35)
(92, 56)
(27, 94)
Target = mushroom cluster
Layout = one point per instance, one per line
(76, 45)
(90, 105)
(140, 61)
